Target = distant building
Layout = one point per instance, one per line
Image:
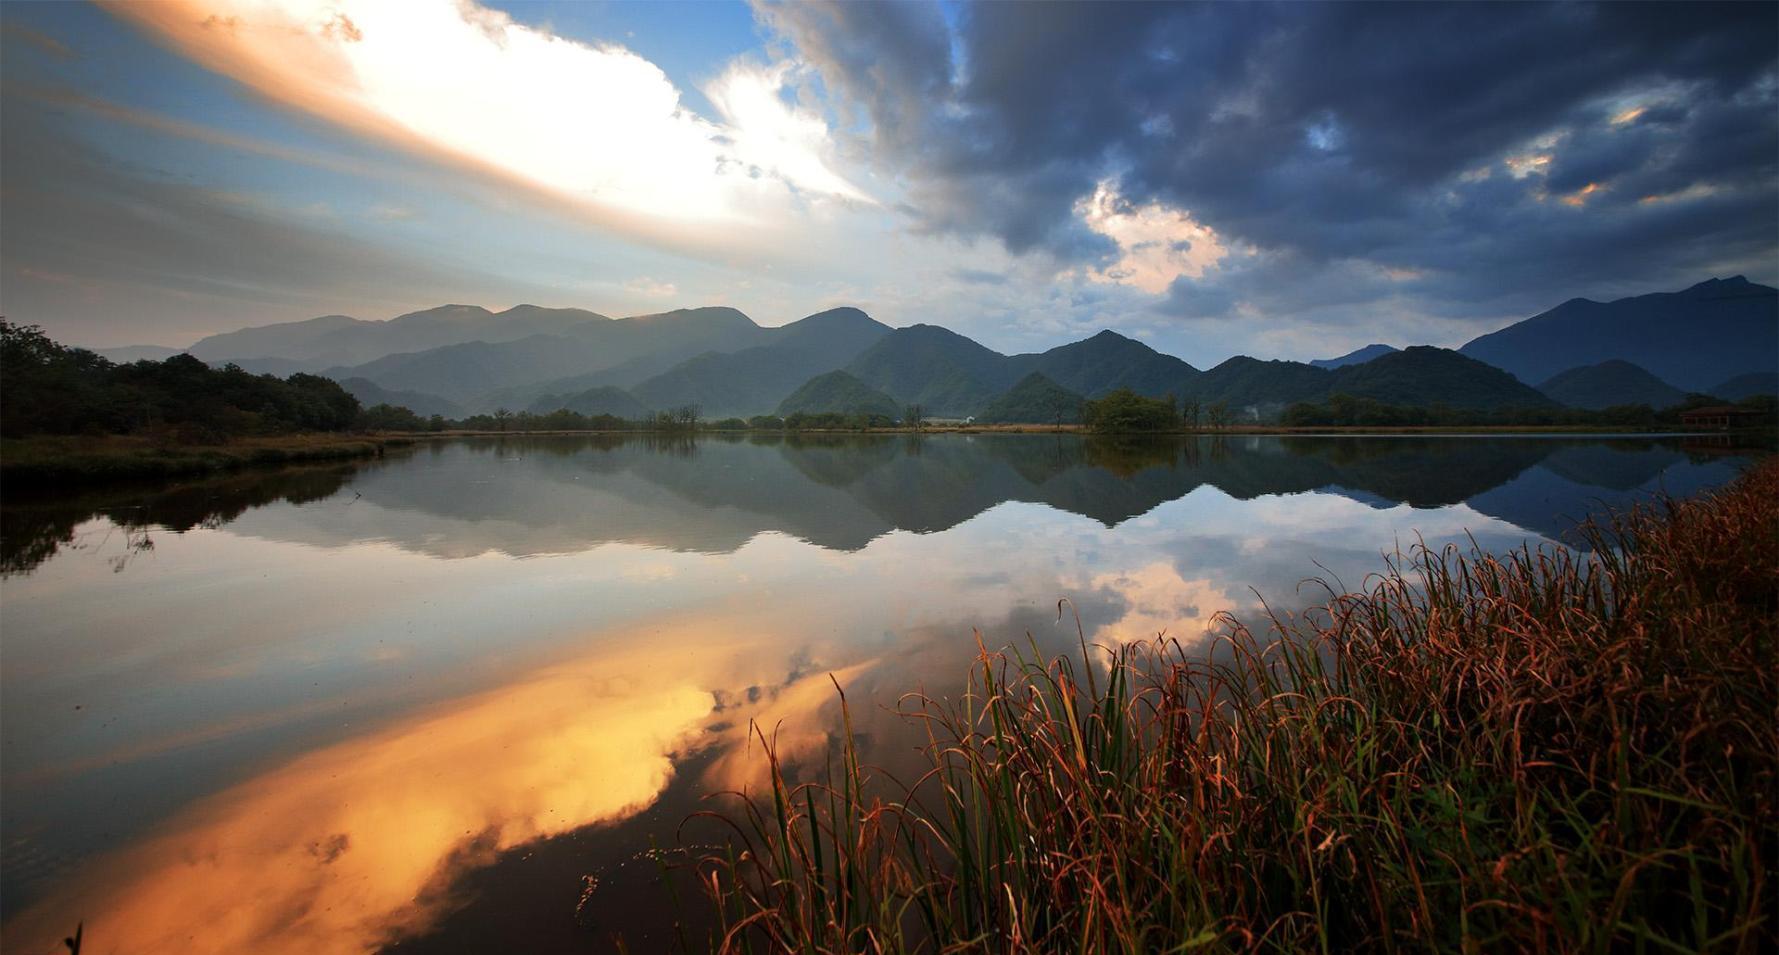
(1721, 417)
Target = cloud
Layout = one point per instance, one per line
(1345, 139)
(649, 288)
(1157, 244)
(465, 85)
(41, 41)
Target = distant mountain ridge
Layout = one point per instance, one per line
(371, 394)
(1721, 335)
(1419, 375)
(469, 371)
(1354, 357)
(755, 380)
(341, 340)
(1691, 339)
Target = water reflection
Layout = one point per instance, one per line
(548, 496)
(310, 715)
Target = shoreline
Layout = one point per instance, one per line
(1248, 430)
(81, 459)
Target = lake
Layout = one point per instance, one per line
(418, 702)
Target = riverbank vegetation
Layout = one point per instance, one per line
(1348, 411)
(57, 459)
(1544, 750)
(49, 389)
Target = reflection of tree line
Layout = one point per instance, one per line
(905, 481)
(34, 528)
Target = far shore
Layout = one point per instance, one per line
(1355, 431)
(71, 459)
(78, 459)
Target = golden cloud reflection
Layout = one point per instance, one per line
(1159, 601)
(354, 845)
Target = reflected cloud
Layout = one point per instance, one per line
(1158, 600)
(349, 847)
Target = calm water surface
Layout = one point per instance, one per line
(412, 703)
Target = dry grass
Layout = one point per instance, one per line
(1536, 751)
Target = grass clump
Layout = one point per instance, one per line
(1541, 751)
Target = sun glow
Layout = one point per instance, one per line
(596, 124)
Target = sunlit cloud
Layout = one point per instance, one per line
(1525, 164)
(1156, 243)
(1579, 197)
(199, 133)
(1698, 190)
(598, 125)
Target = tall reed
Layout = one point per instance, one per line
(1545, 750)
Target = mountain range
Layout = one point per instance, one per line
(1691, 339)
(1720, 336)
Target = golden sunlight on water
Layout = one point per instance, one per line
(348, 847)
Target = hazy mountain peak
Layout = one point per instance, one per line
(1356, 356)
(720, 312)
(1715, 284)
(528, 311)
(840, 313)
(443, 313)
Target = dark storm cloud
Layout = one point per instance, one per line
(1331, 132)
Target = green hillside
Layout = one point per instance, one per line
(1243, 381)
(753, 381)
(1034, 400)
(604, 399)
(838, 391)
(944, 372)
(1608, 384)
(1109, 361)
(1424, 375)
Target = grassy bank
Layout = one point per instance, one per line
(76, 459)
(1535, 751)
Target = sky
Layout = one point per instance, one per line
(1286, 181)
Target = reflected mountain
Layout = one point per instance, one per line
(532, 496)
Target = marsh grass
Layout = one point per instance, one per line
(1544, 750)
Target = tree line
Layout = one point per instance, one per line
(1125, 412)
(683, 419)
(49, 388)
(1342, 410)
